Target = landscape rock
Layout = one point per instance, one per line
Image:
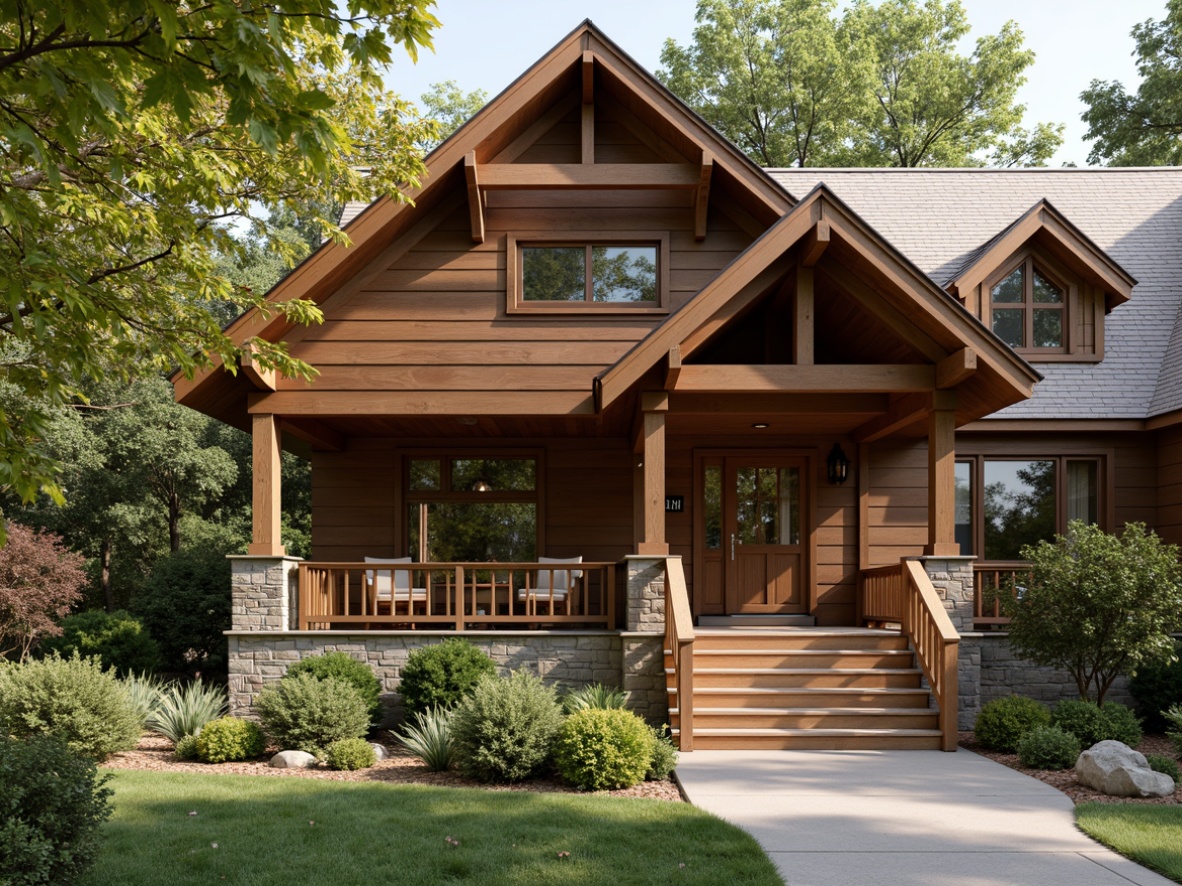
(1114, 768)
(292, 760)
(379, 751)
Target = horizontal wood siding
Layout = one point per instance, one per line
(897, 514)
(1169, 488)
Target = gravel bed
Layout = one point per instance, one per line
(1065, 781)
(154, 753)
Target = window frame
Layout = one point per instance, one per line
(1030, 262)
(515, 302)
(406, 496)
(1102, 458)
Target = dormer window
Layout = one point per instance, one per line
(1029, 310)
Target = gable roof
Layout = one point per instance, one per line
(940, 218)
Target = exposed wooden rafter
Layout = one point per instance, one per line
(622, 176)
(702, 197)
(475, 202)
(903, 413)
(673, 368)
(955, 368)
(262, 378)
(814, 244)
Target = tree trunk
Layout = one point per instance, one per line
(174, 522)
(105, 574)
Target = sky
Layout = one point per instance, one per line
(485, 44)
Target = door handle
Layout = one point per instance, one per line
(732, 546)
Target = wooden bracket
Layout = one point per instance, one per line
(475, 207)
(903, 412)
(955, 368)
(814, 244)
(673, 370)
(702, 196)
(263, 379)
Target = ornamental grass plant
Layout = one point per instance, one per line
(185, 709)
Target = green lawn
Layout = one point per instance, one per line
(1149, 835)
(294, 831)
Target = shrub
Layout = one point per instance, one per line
(186, 748)
(664, 758)
(185, 605)
(1090, 723)
(596, 695)
(1155, 687)
(349, 754)
(1174, 727)
(1163, 764)
(229, 739)
(303, 713)
(504, 730)
(350, 670)
(52, 802)
(72, 698)
(119, 639)
(1096, 604)
(429, 738)
(441, 675)
(1048, 747)
(40, 579)
(1003, 721)
(183, 710)
(603, 748)
(145, 693)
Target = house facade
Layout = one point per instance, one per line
(620, 406)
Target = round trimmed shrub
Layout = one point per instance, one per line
(229, 739)
(1002, 722)
(1156, 687)
(52, 802)
(603, 748)
(1090, 723)
(186, 748)
(505, 729)
(1048, 747)
(302, 713)
(342, 666)
(349, 754)
(439, 676)
(1163, 764)
(72, 698)
(119, 639)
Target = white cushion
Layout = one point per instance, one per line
(562, 580)
(379, 579)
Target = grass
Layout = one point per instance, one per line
(1148, 834)
(296, 831)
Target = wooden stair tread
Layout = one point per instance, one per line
(870, 712)
(806, 690)
(805, 672)
(792, 651)
(828, 733)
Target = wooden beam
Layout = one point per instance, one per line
(654, 406)
(702, 197)
(395, 403)
(316, 433)
(588, 77)
(588, 134)
(626, 176)
(942, 484)
(673, 368)
(262, 378)
(864, 379)
(802, 325)
(955, 368)
(265, 488)
(814, 244)
(475, 206)
(904, 412)
(778, 404)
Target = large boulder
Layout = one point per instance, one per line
(292, 760)
(1114, 768)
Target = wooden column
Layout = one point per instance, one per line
(942, 477)
(654, 406)
(265, 501)
(802, 327)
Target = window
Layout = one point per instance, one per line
(1029, 309)
(463, 509)
(588, 273)
(1006, 502)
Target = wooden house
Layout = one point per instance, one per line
(768, 412)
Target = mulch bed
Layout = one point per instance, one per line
(1065, 781)
(154, 753)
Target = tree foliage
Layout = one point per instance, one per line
(794, 84)
(1143, 128)
(450, 107)
(40, 579)
(1097, 605)
(131, 131)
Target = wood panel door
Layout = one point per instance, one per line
(764, 537)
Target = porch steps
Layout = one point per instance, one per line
(806, 688)
(757, 621)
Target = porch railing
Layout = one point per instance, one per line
(455, 596)
(679, 645)
(904, 595)
(990, 580)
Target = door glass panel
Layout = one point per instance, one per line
(1082, 491)
(713, 506)
(1019, 506)
(790, 506)
(964, 507)
(767, 506)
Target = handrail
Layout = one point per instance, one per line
(989, 580)
(679, 641)
(880, 597)
(936, 643)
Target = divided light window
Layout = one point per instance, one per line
(1030, 310)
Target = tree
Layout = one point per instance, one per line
(450, 107)
(40, 579)
(131, 131)
(1143, 128)
(792, 84)
(1097, 605)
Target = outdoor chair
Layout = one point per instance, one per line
(554, 588)
(392, 586)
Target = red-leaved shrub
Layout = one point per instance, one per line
(40, 579)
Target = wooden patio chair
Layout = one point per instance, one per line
(389, 587)
(555, 588)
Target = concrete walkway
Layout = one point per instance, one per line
(889, 818)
